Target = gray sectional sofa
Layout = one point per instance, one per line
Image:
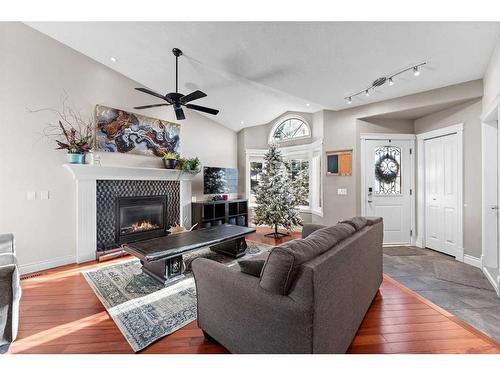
(10, 292)
(310, 297)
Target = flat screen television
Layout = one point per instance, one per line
(220, 180)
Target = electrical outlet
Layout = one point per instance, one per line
(44, 195)
(342, 191)
(31, 195)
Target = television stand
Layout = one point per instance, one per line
(212, 213)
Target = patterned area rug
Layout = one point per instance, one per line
(145, 310)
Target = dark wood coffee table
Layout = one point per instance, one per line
(161, 257)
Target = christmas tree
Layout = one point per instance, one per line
(275, 196)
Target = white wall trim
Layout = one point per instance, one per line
(441, 132)
(382, 136)
(454, 129)
(492, 110)
(86, 176)
(494, 282)
(46, 264)
(385, 136)
(473, 261)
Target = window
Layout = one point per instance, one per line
(299, 173)
(387, 170)
(255, 172)
(291, 128)
(304, 163)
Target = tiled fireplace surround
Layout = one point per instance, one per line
(97, 186)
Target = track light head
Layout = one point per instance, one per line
(416, 71)
(367, 93)
(391, 82)
(349, 100)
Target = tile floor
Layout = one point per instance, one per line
(457, 287)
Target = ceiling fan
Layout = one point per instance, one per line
(177, 99)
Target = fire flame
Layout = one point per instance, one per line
(143, 225)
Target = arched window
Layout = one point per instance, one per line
(288, 129)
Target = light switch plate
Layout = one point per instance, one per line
(341, 191)
(31, 195)
(44, 195)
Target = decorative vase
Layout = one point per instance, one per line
(170, 163)
(75, 158)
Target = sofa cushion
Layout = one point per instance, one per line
(357, 222)
(283, 262)
(252, 266)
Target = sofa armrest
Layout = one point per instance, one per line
(307, 229)
(245, 318)
(7, 243)
(10, 294)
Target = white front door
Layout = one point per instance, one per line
(388, 184)
(441, 194)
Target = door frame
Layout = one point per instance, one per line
(390, 136)
(421, 138)
(492, 114)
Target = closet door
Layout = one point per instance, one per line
(441, 194)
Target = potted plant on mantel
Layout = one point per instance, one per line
(72, 133)
(76, 143)
(170, 159)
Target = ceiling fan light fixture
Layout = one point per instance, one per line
(176, 99)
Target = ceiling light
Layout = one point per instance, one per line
(242, 122)
(381, 81)
(113, 59)
(307, 104)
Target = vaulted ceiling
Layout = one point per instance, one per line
(255, 71)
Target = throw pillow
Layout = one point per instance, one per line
(252, 266)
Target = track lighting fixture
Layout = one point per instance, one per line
(382, 80)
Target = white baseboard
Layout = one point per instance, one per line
(473, 261)
(491, 279)
(46, 264)
(419, 242)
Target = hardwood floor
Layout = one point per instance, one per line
(61, 314)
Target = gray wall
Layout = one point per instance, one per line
(469, 114)
(35, 72)
(342, 128)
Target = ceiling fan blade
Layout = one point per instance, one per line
(147, 91)
(193, 96)
(202, 109)
(151, 106)
(179, 113)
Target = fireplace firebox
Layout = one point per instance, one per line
(140, 218)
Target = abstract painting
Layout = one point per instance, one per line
(122, 131)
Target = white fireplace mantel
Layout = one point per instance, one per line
(86, 210)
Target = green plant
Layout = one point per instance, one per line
(189, 165)
(170, 155)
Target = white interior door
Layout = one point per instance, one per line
(388, 187)
(441, 194)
